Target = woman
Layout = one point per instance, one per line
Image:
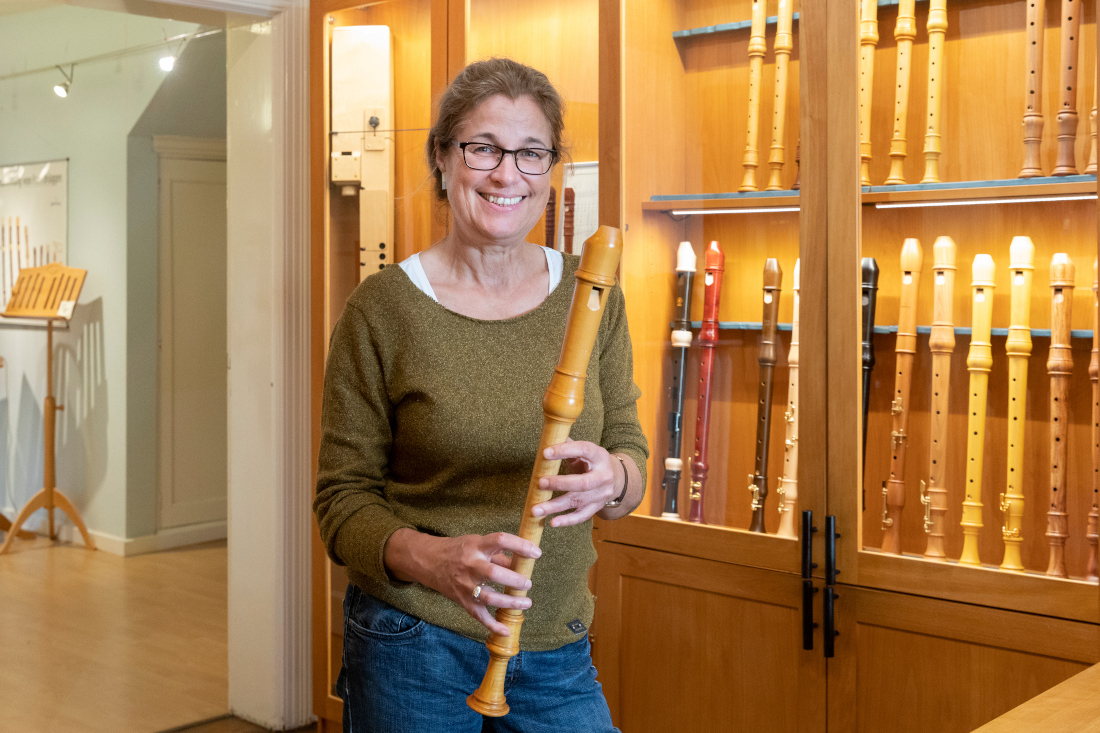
(432, 414)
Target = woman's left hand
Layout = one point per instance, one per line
(594, 479)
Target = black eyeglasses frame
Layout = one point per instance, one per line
(506, 151)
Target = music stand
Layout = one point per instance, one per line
(47, 293)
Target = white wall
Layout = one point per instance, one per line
(90, 128)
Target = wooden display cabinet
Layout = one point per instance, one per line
(902, 621)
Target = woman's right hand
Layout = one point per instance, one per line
(456, 566)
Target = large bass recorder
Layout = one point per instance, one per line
(681, 340)
(769, 354)
(708, 338)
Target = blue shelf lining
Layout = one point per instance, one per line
(960, 185)
(706, 30)
(758, 326)
(743, 24)
(949, 186)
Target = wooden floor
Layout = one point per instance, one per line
(91, 642)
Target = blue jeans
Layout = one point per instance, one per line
(403, 675)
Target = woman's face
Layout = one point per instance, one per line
(501, 205)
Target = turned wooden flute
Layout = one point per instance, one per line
(1018, 347)
(568, 204)
(757, 48)
(713, 266)
(551, 220)
(893, 498)
(1066, 163)
(681, 340)
(942, 344)
(1092, 532)
(784, 43)
(797, 166)
(1033, 105)
(904, 32)
(868, 39)
(1059, 367)
(788, 484)
(1090, 169)
(561, 406)
(869, 296)
(979, 361)
(768, 356)
(937, 29)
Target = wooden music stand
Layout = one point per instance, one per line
(47, 293)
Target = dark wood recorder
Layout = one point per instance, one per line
(568, 204)
(769, 354)
(870, 293)
(708, 339)
(681, 340)
(552, 219)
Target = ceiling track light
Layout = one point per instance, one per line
(62, 89)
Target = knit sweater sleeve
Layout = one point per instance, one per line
(622, 431)
(354, 518)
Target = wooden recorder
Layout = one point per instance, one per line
(788, 484)
(714, 265)
(1092, 533)
(893, 497)
(561, 406)
(942, 345)
(979, 362)
(757, 48)
(1059, 367)
(1018, 346)
(904, 32)
(769, 355)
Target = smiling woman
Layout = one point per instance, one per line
(432, 418)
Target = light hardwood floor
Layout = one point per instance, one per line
(92, 642)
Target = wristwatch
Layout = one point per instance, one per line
(626, 484)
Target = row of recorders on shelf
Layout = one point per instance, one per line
(768, 356)
(979, 363)
(905, 32)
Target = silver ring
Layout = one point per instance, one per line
(477, 592)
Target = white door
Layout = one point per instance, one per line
(192, 409)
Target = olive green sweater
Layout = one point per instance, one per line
(431, 420)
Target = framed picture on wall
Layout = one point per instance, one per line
(34, 220)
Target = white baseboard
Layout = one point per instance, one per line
(165, 539)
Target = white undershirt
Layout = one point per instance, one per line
(415, 271)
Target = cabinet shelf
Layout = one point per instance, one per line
(1011, 190)
(1041, 333)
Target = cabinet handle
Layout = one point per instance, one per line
(808, 530)
(830, 550)
(831, 633)
(808, 624)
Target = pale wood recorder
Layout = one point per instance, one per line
(784, 43)
(904, 32)
(937, 29)
(561, 406)
(979, 362)
(1060, 368)
(47, 293)
(757, 48)
(1018, 346)
(893, 494)
(1033, 104)
(868, 39)
(942, 344)
(788, 484)
(1092, 533)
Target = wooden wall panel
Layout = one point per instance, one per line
(917, 664)
(694, 645)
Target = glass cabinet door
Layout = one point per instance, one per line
(979, 244)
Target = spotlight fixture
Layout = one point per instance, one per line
(62, 89)
(167, 63)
